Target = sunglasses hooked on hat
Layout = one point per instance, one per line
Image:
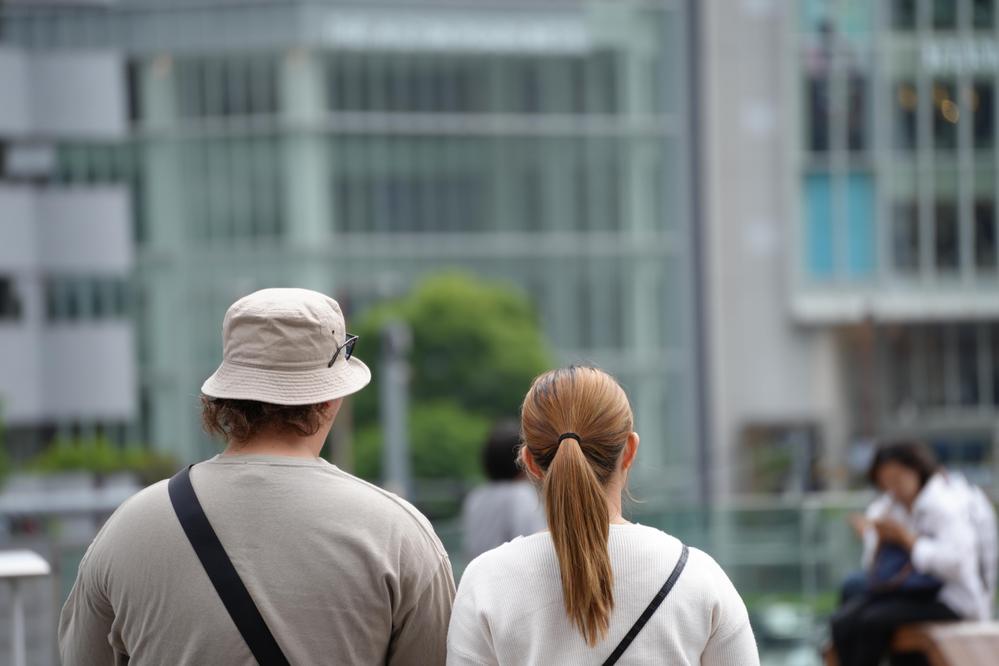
(286, 347)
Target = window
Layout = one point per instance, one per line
(133, 87)
(905, 237)
(11, 308)
(994, 370)
(234, 86)
(944, 14)
(934, 353)
(817, 113)
(900, 369)
(856, 117)
(860, 231)
(985, 235)
(982, 14)
(819, 237)
(946, 237)
(529, 77)
(906, 101)
(967, 365)
(903, 14)
(983, 122)
(946, 113)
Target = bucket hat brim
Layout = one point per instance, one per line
(287, 387)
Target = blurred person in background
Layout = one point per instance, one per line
(508, 505)
(594, 587)
(921, 559)
(266, 553)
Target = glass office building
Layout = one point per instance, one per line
(896, 172)
(354, 147)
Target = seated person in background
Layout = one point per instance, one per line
(508, 505)
(919, 556)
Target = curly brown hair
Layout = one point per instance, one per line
(242, 420)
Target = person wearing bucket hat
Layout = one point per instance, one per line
(266, 553)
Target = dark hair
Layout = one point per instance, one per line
(914, 455)
(499, 455)
(241, 420)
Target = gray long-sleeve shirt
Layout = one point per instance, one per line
(342, 572)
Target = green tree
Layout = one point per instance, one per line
(444, 438)
(476, 348)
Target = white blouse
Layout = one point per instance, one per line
(509, 607)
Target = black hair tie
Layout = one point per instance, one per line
(570, 435)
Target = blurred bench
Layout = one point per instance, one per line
(944, 644)
(951, 643)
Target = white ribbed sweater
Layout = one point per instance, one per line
(509, 609)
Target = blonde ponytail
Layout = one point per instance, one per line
(577, 518)
(576, 468)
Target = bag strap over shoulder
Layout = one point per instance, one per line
(651, 609)
(223, 574)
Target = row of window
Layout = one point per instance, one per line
(943, 14)
(70, 298)
(368, 82)
(947, 105)
(240, 189)
(512, 84)
(854, 18)
(224, 86)
(841, 238)
(85, 298)
(938, 366)
(907, 237)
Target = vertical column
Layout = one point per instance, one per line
(925, 175)
(965, 163)
(164, 322)
(308, 209)
(641, 153)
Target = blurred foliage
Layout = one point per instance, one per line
(100, 457)
(445, 442)
(476, 347)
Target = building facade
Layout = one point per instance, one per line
(868, 234)
(67, 363)
(354, 147)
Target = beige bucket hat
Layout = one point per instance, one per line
(286, 347)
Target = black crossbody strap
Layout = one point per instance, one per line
(650, 610)
(222, 573)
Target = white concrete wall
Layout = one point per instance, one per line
(78, 94)
(88, 371)
(15, 105)
(18, 228)
(80, 371)
(20, 374)
(62, 94)
(76, 371)
(764, 369)
(85, 230)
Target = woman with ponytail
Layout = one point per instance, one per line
(594, 588)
